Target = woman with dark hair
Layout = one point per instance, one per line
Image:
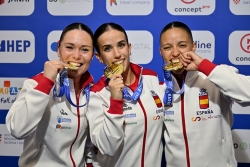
(197, 115)
(49, 113)
(125, 108)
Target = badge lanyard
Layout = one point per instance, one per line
(64, 89)
(126, 95)
(168, 96)
(136, 95)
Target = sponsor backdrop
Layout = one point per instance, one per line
(29, 31)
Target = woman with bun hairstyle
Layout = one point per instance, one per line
(197, 111)
(50, 111)
(125, 105)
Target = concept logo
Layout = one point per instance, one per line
(245, 43)
(187, 1)
(113, 1)
(239, 47)
(190, 7)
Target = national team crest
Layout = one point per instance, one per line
(157, 99)
(203, 99)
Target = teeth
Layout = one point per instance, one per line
(175, 60)
(74, 64)
(118, 62)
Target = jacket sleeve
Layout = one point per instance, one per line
(230, 82)
(26, 112)
(106, 123)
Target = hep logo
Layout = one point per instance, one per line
(187, 1)
(14, 45)
(245, 43)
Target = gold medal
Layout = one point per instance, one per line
(72, 66)
(113, 69)
(173, 66)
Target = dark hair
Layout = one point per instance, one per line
(104, 28)
(77, 26)
(177, 24)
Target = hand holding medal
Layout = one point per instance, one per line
(191, 61)
(64, 84)
(116, 84)
(113, 69)
(174, 65)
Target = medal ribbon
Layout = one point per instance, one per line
(168, 96)
(136, 95)
(65, 90)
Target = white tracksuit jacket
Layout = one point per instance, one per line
(198, 126)
(136, 139)
(34, 117)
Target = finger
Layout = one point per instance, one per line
(116, 78)
(184, 61)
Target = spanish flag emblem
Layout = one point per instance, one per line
(157, 99)
(203, 99)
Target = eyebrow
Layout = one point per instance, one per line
(122, 41)
(106, 45)
(68, 43)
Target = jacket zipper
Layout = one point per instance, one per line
(78, 128)
(184, 130)
(144, 135)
